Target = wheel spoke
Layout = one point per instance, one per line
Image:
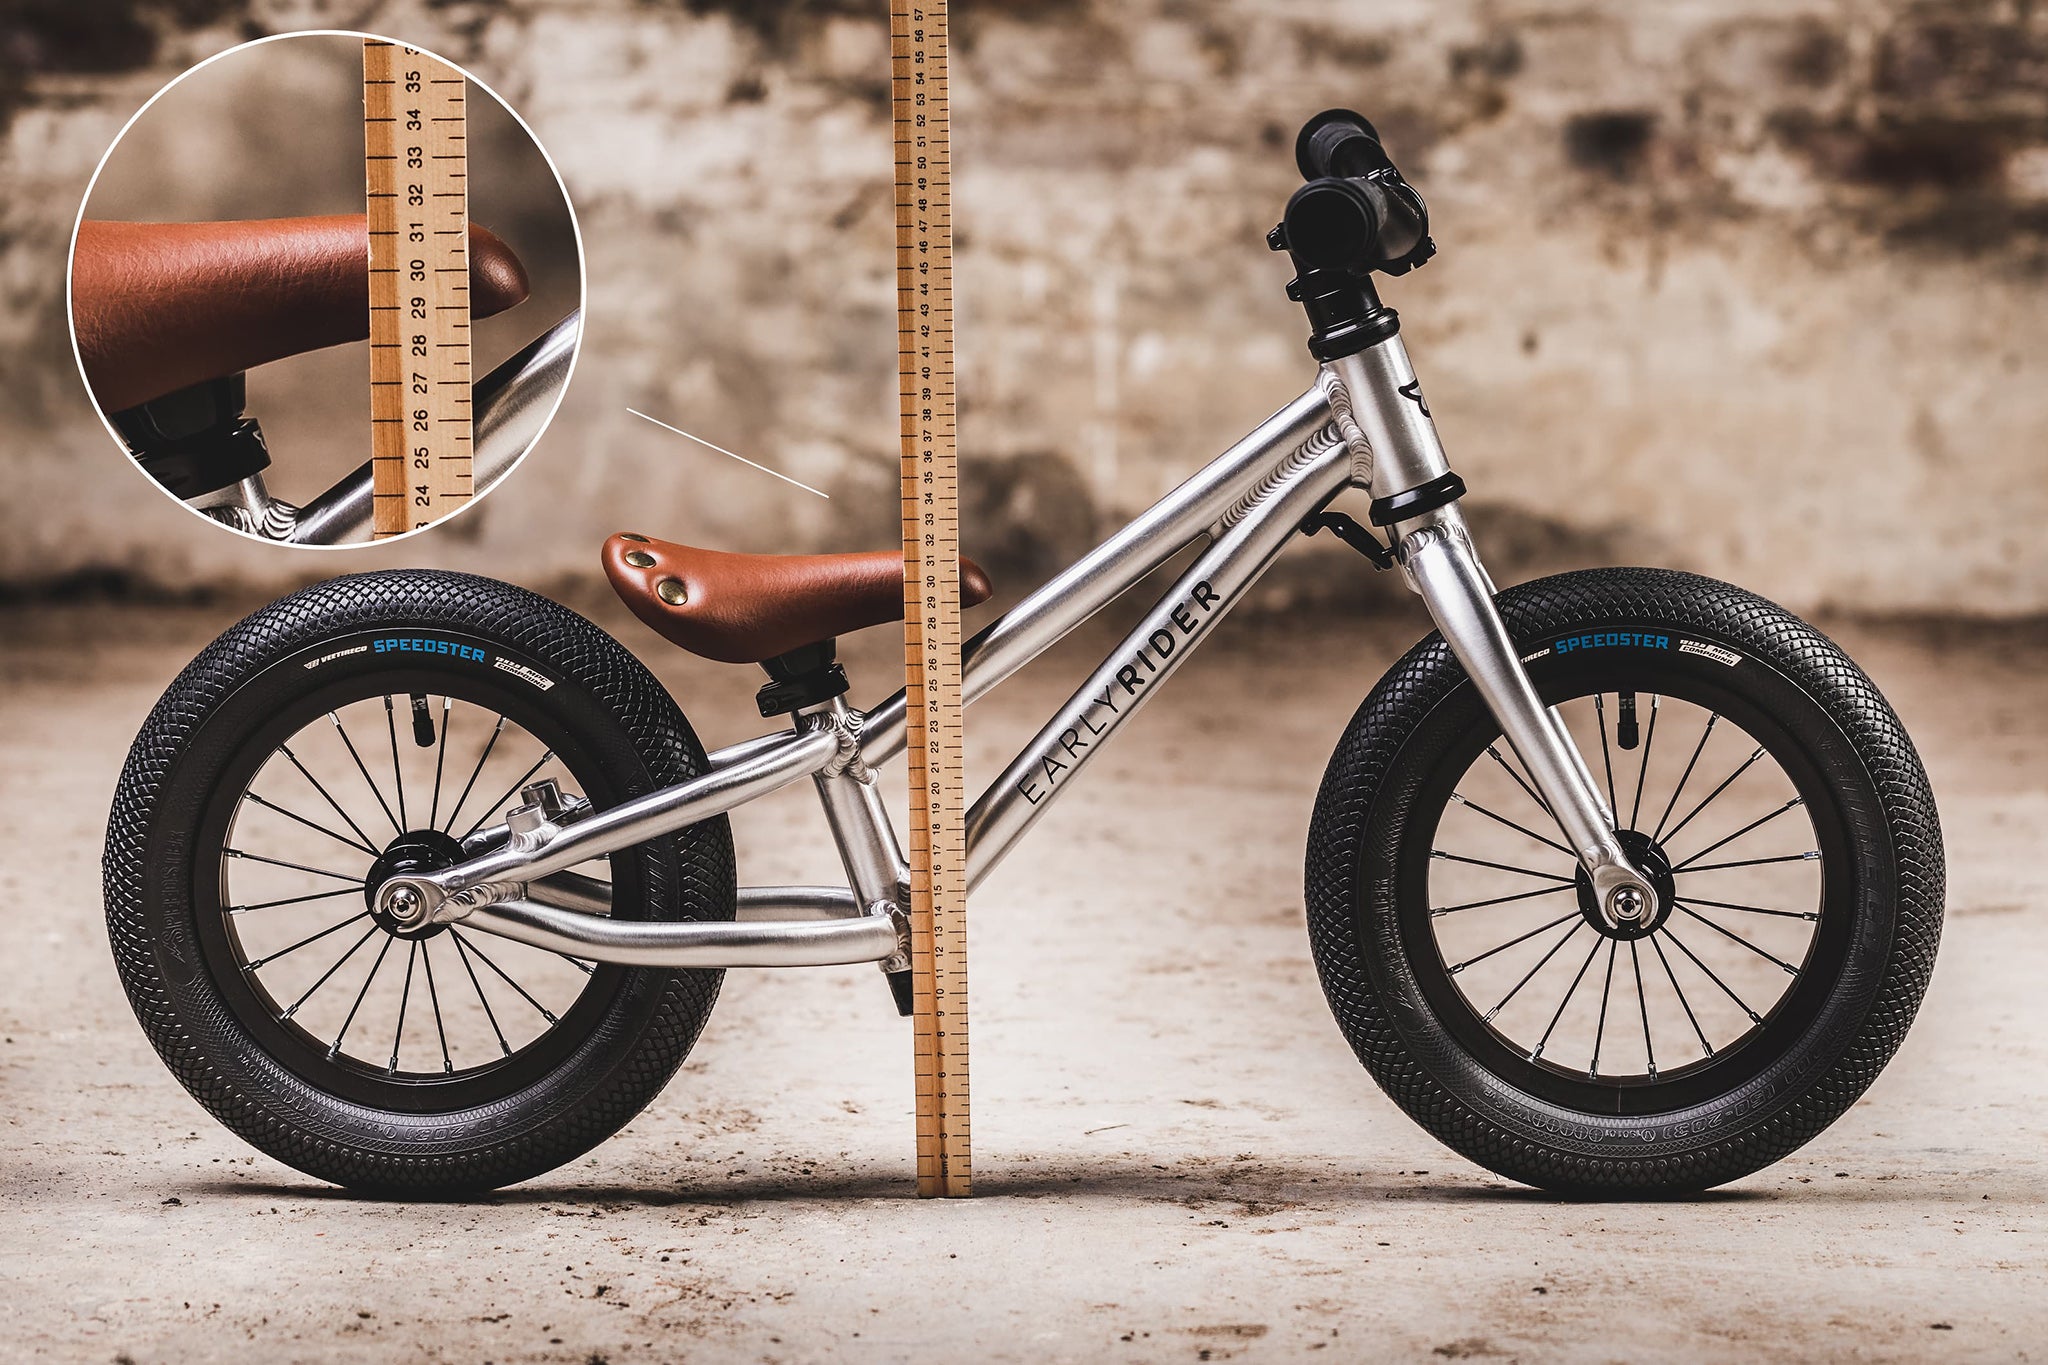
(434, 999)
(310, 938)
(492, 809)
(1722, 929)
(484, 957)
(368, 780)
(293, 1008)
(412, 958)
(1643, 773)
(1519, 938)
(1807, 915)
(482, 759)
(397, 773)
(1635, 960)
(1713, 719)
(1688, 813)
(1740, 1003)
(1806, 857)
(462, 954)
(296, 867)
(440, 758)
(296, 900)
(1520, 781)
(1606, 761)
(1497, 900)
(1763, 820)
(1606, 990)
(1504, 867)
(375, 967)
(1725, 784)
(1502, 1003)
(1474, 806)
(1570, 991)
(292, 815)
(326, 795)
(1704, 1044)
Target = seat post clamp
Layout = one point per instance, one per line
(802, 677)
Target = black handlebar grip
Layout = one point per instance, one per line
(1333, 223)
(1338, 221)
(1339, 142)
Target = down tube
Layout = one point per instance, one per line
(1127, 679)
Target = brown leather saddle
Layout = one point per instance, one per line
(748, 609)
(159, 306)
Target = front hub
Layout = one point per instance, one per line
(411, 853)
(1650, 859)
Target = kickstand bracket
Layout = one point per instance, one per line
(1351, 533)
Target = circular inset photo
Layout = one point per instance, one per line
(326, 289)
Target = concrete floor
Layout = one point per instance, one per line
(1176, 1156)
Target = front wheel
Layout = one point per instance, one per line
(1768, 790)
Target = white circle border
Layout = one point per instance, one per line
(575, 228)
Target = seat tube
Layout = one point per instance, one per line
(868, 850)
(1378, 405)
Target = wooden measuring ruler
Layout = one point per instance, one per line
(931, 593)
(416, 163)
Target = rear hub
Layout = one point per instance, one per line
(411, 853)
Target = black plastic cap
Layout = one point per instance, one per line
(1327, 145)
(1413, 502)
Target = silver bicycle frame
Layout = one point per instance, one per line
(510, 406)
(1363, 425)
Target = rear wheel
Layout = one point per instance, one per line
(368, 726)
(1772, 797)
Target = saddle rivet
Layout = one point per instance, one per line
(640, 559)
(671, 591)
(628, 535)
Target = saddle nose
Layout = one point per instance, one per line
(158, 306)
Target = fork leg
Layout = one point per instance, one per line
(1380, 410)
(1442, 566)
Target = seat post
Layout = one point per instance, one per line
(801, 677)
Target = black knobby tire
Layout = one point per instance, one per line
(1854, 985)
(614, 729)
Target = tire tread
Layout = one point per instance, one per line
(301, 1126)
(1535, 611)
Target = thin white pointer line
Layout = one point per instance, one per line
(723, 451)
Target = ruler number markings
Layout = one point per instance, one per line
(415, 167)
(931, 590)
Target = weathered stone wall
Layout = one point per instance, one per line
(1753, 287)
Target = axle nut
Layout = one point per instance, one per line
(403, 904)
(1627, 903)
